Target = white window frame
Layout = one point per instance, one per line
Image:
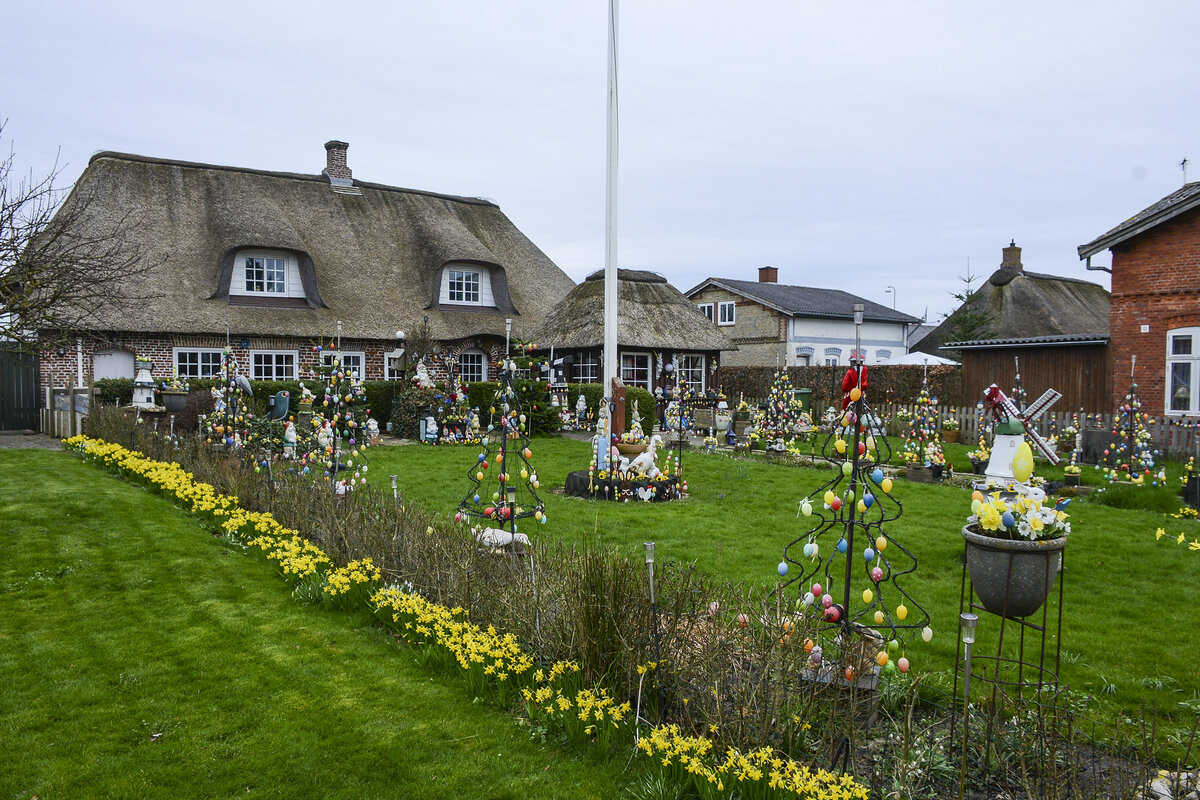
(833, 356)
(707, 310)
(482, 365)
(631, 365)
(257, 374)
(882, 356)
(804, 356)
(346, 357)
(587, 368)
(200, 353)
(1192, 361)
(270, 264)
(727, 312)
(468, 286)
(692, 364)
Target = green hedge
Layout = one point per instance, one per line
(379, 393)
(594, 393)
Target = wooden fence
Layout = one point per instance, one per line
(1177, 438)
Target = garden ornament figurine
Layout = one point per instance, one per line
(644, 463)
(422, 378)
(289, 440)
(581, 408)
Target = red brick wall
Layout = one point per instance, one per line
(1155, 283)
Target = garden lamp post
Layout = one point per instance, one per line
(395, 492)
(507, 334)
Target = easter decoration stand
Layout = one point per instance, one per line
(846, 568)
(338, 441)
(624, 465)
(504, 482)
(777, 420)
(922, 443)
(1010, 577)
(225, 425)
(1129, 457)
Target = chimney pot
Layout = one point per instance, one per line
(768, 275)
(335, 161)
(1012, 257)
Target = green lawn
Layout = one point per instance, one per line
(142, 657)
(1129, 634)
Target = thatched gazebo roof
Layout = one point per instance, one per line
(651, 314)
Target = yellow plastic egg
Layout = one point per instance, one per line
(1022, 463)
(901, 612)
(868, 595)
(886, 486)
(878, 617)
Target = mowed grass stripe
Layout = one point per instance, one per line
(140, 656)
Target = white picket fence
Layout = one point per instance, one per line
(1176, 437)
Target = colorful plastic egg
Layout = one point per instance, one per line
(782, 568)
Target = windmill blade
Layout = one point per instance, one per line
(1040, 405)
(1040, 443)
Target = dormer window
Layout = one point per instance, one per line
(266, 275)
(466, 285)
(262, 274)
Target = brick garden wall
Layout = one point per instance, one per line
(58, 371)
(1156, 283)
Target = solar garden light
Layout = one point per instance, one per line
(511, 491)
(395, 491)
(966, 624)
(650, 566)
(507, 333)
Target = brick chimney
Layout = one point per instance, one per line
(768, 275)
(335, 161)
(1012, 257)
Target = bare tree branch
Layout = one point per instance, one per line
(63, 263)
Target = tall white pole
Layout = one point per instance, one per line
(610, 216)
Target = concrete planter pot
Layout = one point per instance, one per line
(173, 401)
(1012, 578)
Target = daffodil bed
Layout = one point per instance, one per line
(491, 662)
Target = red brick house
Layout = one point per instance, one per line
(276, 262)
(1155, 309)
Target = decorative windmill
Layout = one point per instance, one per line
(1013, 426)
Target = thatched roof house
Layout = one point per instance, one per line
(653, 319)
(1057, 327)
(280, 258)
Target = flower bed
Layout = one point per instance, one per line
(491, 662)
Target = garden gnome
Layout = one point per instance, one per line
(581, 408)
(289, 440)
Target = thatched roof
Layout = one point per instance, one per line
(651, 313)
(1028, 305)
(370, 256)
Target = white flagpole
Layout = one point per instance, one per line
(610, 229)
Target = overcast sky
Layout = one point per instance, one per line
(852, 145)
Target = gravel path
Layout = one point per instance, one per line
(23, 441)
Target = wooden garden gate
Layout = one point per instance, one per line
(18, 391)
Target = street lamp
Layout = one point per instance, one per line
(892, 291)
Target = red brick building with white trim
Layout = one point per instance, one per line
(1155, 306)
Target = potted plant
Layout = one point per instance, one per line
(950, 429)
(633, 441)
(980, 456)
(1014, 550)
(1071, 474)
(173, 393)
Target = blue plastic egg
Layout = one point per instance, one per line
(868, 500)
(877, 475)
(1007, 519)
(783, 568)
(842, 545)
(869, 554)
